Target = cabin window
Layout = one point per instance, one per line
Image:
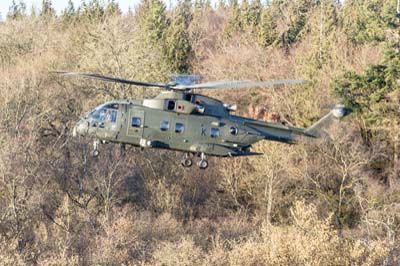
(233, 131)
(164, 126)
(136, 121)
(171, 105)
(214, 132)
(179, 128)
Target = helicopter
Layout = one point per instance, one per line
(182, 120)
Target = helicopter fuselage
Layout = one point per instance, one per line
(188, 122)
(196, 124)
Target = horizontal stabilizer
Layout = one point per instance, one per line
(248, 153)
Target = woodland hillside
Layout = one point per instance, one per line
(330, 202)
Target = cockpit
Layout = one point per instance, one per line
(103, 116)
(105, 112)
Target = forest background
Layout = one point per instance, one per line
(329, 202)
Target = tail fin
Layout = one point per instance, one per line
(338, 112)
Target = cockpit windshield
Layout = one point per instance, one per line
(105, 112)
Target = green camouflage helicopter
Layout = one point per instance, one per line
(179, 119)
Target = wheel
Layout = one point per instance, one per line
(187, 162)
(203, 164)
(95, 153)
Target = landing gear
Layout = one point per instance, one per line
(187, 160)
(203, 163)
(95, 151)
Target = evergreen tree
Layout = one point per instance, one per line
(366, 21)
(199, 4)
(256, 10)
(152, 19)
(112, 9)
(362, 92)
(16, 11)
(374, 96)
(322, 27)
(299, 21)
(47, 10)
(234, 24)
(93, 11)
(69, 13)
(245, 13)
(250, 14)
(267, 32)
(296, 14)
(178, 47)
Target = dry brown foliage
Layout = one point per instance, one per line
(319, 203)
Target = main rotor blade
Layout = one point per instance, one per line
(111, 79)
(237, 84)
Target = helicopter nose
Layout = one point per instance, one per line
(80, 128)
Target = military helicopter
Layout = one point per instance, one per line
(180, 119)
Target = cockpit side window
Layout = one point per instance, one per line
(113, 116)
(105, 114)
(100, 114)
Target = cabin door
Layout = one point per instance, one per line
(136, 123)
